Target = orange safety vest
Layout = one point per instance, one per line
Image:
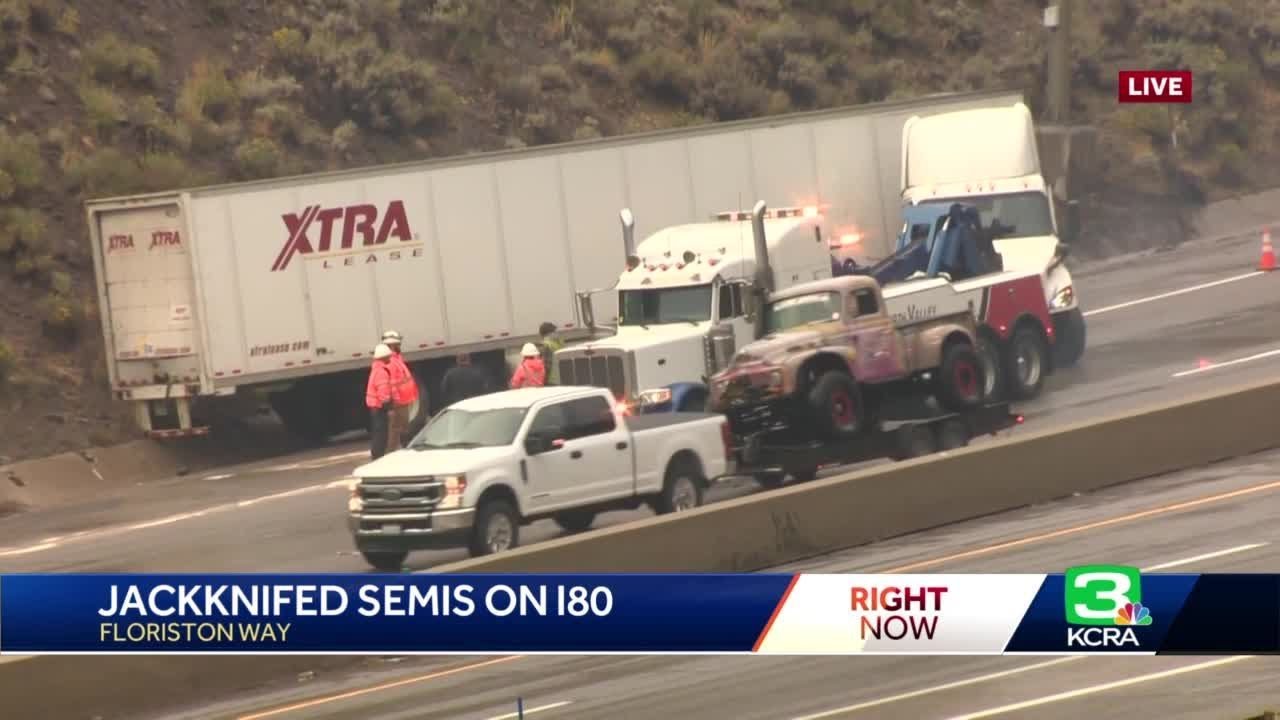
(378, 391)
(403, 388)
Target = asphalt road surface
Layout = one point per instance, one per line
(1160, 326)
(1218, 519)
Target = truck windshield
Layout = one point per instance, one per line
(691, 303)
(801, 310)
(1017, 215)
(455, 428)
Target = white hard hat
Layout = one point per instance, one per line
(381, 352)
(529, 350)
(391, 336)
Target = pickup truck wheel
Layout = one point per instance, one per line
(1025, 360)
(575, 520)
(385, 560)
(836, 406)
(959, 378)
(682, 490)
(497, 529)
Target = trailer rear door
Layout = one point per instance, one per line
(147, 273)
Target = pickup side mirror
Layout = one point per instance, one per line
(1071, 223)
(536, 444)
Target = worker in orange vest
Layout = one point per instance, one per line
(404, 392)
(530, 372)
(377, 397)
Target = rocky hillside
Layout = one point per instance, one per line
(122, 96)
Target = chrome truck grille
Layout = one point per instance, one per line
(599, 368)
(400, 495)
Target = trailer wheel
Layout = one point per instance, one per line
(952, 435)
(385, 560)
(992, 367)
(835, 404)
(913, 441)
(575, 521)
(959, 378)
(1069, 342)
(1026, 359)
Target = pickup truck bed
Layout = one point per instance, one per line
(764, 457)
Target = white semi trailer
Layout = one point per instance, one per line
(283, 286)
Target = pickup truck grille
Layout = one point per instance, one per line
(400, 496)
(605, 371)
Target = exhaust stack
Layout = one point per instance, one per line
(629, 237)
(764, 271)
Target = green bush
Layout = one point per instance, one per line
(60, 315)
(33, 266)
(664, 73)
(518, 93)
(256, 87)
(60, 282)
(289, 46)
(23, 228)
(7, 187)
(112, 60)
(166, 171)
(106, 172)
(344, 137)
(68, 22)
(599, 65)
(21, 161)
(207, 93)
(104, 110)
(554, 77)
(1233, 165)
(259, 158)
(8, 362)
(282, 122)
(727, 88)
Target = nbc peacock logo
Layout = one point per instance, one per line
(1133, 614)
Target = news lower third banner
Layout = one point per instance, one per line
(1087, 610)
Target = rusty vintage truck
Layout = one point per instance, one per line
(829, 355)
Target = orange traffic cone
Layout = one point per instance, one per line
(1269, 254)
(1268, 260)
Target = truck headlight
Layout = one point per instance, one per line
(454, 487)
(354, 503)
(656, 396)
(1063, 298)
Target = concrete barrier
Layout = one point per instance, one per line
(793, 523)
(65, 686)
(741, 535)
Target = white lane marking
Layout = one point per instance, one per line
(530, 711)
(1229, 363)
(937, 688)
(51, 543)
(318, 462)
(1206, 556)
(223, 476)
(1006, 673)
(1090, 690)
(1174, 293)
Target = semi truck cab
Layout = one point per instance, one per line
(996, 169)
(687, 297)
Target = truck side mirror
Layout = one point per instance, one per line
(536, 444)
(749, 302)
(1071, 222)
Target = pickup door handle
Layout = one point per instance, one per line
(575, 454)
(622, 445)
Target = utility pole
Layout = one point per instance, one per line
(1057, 19)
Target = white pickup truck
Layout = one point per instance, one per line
(484, 467)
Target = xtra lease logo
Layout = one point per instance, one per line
(1105, 603)
(363, 220)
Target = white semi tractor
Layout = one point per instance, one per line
(988, 158)
(279, 288)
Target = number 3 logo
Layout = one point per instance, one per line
(1096, 593)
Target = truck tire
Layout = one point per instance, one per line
(1069, 338)
(303, 415)
(835, 407)
(913, 441)
(952, 435)
(575, 521)
(683, 488)
(992, 361)
(770, 480)
(497, 528)
(1025, 360)
(958, 381)
(385, 560)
